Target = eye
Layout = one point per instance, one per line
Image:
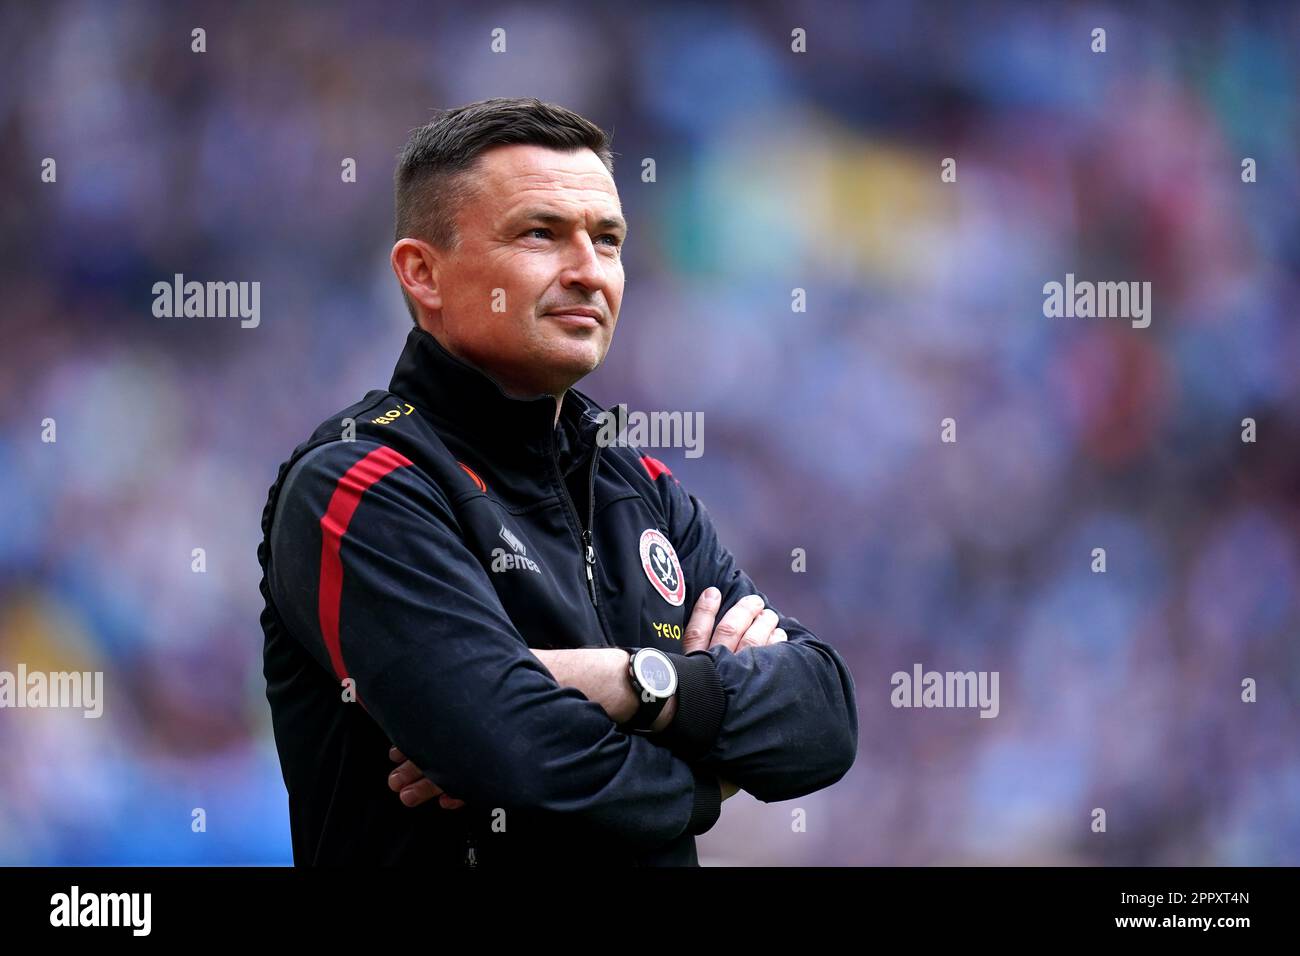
(537, 229)
(609, 235)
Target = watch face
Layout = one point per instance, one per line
(656, 673)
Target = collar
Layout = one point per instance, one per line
(466, 402)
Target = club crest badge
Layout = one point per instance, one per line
(662, 567)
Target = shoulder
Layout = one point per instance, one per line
(338, 473)
(637, 470)
(365, 419)
(653, 480)
(371, 438)
(648, 473)
(360, 452)
(340, 465)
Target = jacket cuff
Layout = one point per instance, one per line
(707, 806)
(701, 705)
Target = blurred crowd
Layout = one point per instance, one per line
(774, 171)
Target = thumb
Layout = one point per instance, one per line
(699, 629)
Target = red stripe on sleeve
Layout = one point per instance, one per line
(334, 525)
(654, 466)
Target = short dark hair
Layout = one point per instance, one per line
(432, 182)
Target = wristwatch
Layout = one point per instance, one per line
(654, 680)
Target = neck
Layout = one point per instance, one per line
(526, 393)
(507, 388)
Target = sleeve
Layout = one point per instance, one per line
(778, 721)
(369, 570)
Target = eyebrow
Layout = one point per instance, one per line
(554, 218)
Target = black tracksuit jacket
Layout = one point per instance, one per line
(418, 544)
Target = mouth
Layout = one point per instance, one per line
(579, 317)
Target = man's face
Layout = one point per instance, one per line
(542, 235)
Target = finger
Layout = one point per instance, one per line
(418, 793)
(760, 632)
(778, 635)
(737, 621)
(449, 802)
(395, 755)
(405, 775)
(700, 626)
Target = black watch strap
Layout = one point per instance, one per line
(647, 711)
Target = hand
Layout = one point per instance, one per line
(413, 787)
(747, 624)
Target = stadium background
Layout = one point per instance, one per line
(774, 171)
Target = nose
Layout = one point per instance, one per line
(583, 265)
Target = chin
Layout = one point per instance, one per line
(574, 363)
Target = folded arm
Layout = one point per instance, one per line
(601, 674)
(788, 724)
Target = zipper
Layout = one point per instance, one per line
(471, 856)
(588, 546)
(590, 556)
(590, 553)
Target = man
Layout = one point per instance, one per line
(457, 566)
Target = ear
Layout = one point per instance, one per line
(417, 266)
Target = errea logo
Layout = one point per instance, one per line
(503, 560)
(508, 537)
